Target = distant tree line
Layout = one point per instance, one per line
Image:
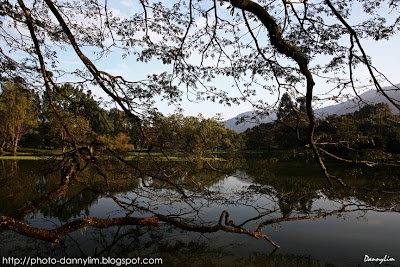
(193, 134)
(373, 127)
(73, 115)
(30, 120)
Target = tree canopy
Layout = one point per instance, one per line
(18, 112)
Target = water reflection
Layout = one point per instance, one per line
(288, 202)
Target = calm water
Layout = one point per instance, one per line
(255, 191)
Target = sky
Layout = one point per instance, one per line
(384, 54)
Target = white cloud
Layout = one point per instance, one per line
(127, 3)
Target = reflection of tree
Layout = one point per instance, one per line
(127, 241)
(302, 182)
(69, 172)
(275, 259)
(271, 195)
(30, 191)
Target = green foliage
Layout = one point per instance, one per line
(260, 138)
(119, 143)
(372, 127)
(78, 117)
(283, 133)
(23, 113)
(119, 122)
(285, 109)
(270, 136)
(192, 134)
(74, 116)
(18, 112)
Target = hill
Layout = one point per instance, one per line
(371, 97)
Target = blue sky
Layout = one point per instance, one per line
(384, 54)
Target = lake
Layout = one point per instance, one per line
(288, 201)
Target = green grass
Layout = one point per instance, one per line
(23, 158)
(43, 154)
(160, 157)
(36, 151)
(126, 158)
(30, 154)
(242, 151)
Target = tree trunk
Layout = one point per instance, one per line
(2, 147)
(63, 142)
(14, 152)
(15, 146)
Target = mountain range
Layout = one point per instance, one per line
(349, 106)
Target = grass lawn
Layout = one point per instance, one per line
(30, 154)
(43, 154)
(23, 157)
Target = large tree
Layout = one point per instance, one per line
(77, 116)
(18, 112)
(3, 133)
